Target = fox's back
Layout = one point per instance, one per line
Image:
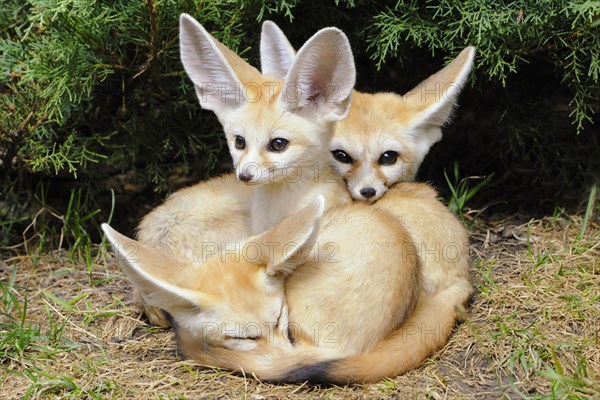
(211, 212)
(361, 282)
(440, 239)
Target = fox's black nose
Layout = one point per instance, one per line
(245, 177)
(367, 193)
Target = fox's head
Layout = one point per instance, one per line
(273, 124)
(385, 137)
(234, 297)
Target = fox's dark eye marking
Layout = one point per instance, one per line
(227, 337)
(240, 142)
(278, 145)
(388, 158)
(342, 156)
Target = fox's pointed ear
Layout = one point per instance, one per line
(434, 99)
(276, 52)
(157, 276)
(321, 77)
(217, 72)
(289, 244)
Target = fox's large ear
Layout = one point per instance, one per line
(434, 99)
(217, 72)
(289, 244)
(159, 278)
(276, 52)
(321, 77)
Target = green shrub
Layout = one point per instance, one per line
(93, 95)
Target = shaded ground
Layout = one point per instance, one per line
(532, 330)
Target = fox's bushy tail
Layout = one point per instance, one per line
(424, 331)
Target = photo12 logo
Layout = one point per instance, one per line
(433, 92)
(451, 252)
(254, 92)
(326, 333)
(126, 252)
(273, 171)
(262, 252)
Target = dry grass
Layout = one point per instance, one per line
(532, 330)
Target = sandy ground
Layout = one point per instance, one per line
(532, 329)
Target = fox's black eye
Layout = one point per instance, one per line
(278, 145)
(342, 156)
(388, 158)
(240, 142)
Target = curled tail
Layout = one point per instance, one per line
(424, 331)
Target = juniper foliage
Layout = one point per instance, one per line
(506, 34)
(93, 96)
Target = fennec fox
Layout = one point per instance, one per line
(386, 136)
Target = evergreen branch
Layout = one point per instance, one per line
(153, 56)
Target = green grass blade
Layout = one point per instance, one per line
(588, 213)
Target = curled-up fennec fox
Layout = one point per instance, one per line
(289, 303)
(386, 136)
